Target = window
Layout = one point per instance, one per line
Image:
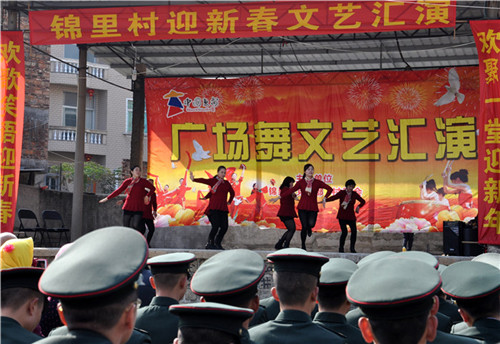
(130, 111)
(69, 111)
(71, 51)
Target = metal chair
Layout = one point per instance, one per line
(53, 223)
(28, 222)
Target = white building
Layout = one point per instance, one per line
(108, 115)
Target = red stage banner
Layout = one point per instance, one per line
(487, 36)
(12, 107)
(401, 135)
(234, 20)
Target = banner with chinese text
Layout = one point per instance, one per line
(389, 131)
(234, 20)
(12, 107)
(487, 41)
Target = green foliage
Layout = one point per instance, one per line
(93, 173)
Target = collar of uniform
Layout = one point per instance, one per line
(86, 336)
(330, 317)
(487, 323)
(163, 301)
(294, 316)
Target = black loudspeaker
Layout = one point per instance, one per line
(470, 247)
(452, 238)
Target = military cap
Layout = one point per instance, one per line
(337, 272)
(211, 315)
(424, 257)
(470, 280)
(491, 258)
(173, 263)
(374, 256)
(229, 274)
(21, 278)
(94, 269)
(297, 260)
(441, 268)
(393, 288)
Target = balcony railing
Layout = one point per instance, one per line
(96, 137)
(60, 67)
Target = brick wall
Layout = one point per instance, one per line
(36, 113)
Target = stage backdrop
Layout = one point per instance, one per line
(389, 131)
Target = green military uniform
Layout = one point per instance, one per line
(213, 316)
(155, 318)
(14, 333)
(294, 326)
(230, 277)
(474, 283)
(93, 273)
(14, 278)
(137, 337)
(332, 283)
(450, 310)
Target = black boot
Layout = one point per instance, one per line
(210, 245)
(341, 249)
(279, 245)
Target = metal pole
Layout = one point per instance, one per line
(137, 139)
(77, 212)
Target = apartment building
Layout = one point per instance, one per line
(108, 113)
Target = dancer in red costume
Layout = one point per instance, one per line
(287, 213)
(217, 210)
(308, 204)
(138, 191)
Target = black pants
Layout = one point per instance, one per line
(408, 240)
(343, 236)
(218, 219)
(150, 225)
(289, 223)
(133, 219)
(308, 221)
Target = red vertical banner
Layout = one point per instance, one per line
(487, 36)
(12, 107)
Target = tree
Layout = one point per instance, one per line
(97, 178)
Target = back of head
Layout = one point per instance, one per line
(396, 295)
(230, 277)
(95, 289)
(208, 322)
(475, 286)
(294, 288)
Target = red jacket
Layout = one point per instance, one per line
(308, 201)
(218, 200)
(348, 213)
(287, 205)
(135, 197)
(149, 208)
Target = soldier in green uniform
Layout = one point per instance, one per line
(476, 288)
(332, 301)
(353, 315)
(97, 286)
(296, 274)
(22, 305)
(399, 302)
(21, 301)
(231, 277)
(210, 323)
(169, 278)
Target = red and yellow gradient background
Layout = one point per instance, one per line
(326, 97)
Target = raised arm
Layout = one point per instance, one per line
(118, 191)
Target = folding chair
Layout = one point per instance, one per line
(28, 222)
(53, 223)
